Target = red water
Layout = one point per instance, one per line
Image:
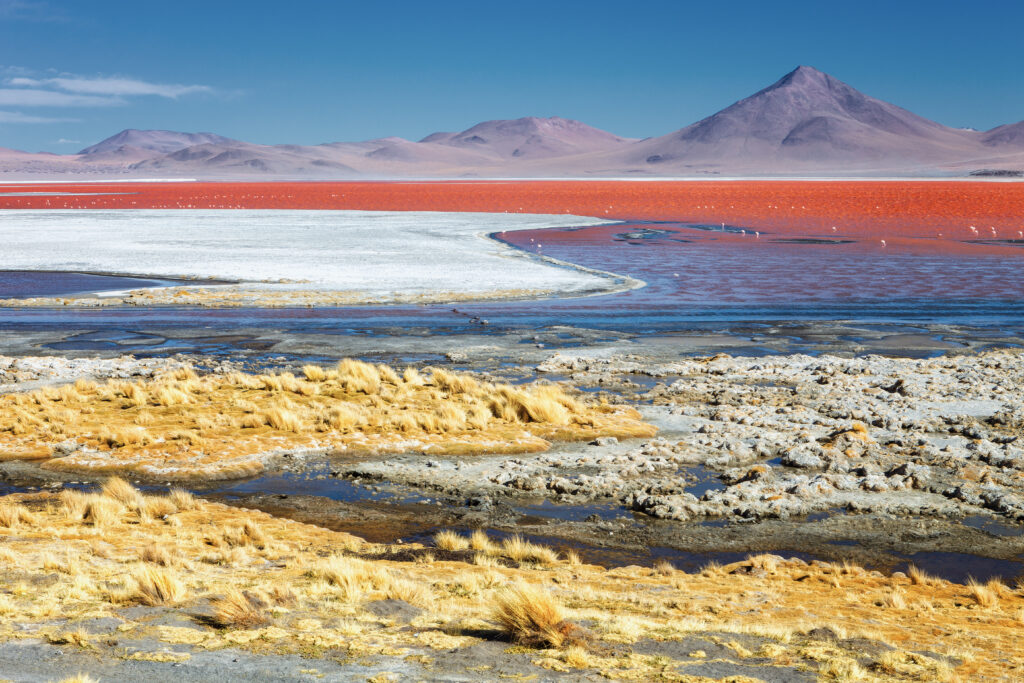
(873, 240)
(940, 212)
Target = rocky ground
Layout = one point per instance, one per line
(879, 460)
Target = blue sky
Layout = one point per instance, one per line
(72, 73)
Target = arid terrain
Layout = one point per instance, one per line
(195, 487)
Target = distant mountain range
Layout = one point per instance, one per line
(807, 123)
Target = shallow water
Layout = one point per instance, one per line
(700, 279)
(28, 283)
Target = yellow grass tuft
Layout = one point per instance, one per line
(359, 377)
(314, 373)
(519, 549)
(152, 586)
(284, 419)
(182, 499)
(101, 511)
(531, 616)
(157, 554)
(351, 576)
(157, 507)
(986, 595)
(919, 577)
(80, 678)
(664, 568)
(74, 503)
(480, 541)
(118, 489)
(449, 540)
(238, 609)
(13, 514)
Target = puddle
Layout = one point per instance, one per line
(707, 480)
(960, 567)
(19, 284)
(572, 513)
(992, 526)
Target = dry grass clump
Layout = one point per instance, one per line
(80, 678)
(180, 425)
(118, 489)
(351, 576)
(240, 609)
(531, 616)
(157, 508)
(74, 503)
(101, 511)
(519, 549)
(919, 577)
(985, 594)
(14, 514)
(249, 534)
(896, 598)
(157, 554)
(182, 499)
(480, 541)
(449, 540)
(151, 586)
(913, 666)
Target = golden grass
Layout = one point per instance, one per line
(919, 577)
(481, 542)
(519, 549)
(449, 540)
(181, 426)
(13, 515)
(664, 568)
(152, 586)
(307, 590)
(985, 594)
(531, 616)
(157, 554)
(118, 489)
(238, 609)
(100, 511)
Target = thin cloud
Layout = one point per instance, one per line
(114, 86)
(65, 141)
(18, 117)
(17, 97)
(26, 10)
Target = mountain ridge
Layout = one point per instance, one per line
(805, 122)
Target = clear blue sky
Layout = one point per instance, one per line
(308, 72)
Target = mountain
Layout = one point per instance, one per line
(806, 123)
(807, 119)
(1011, 135)
(135, 144)
(531, 138)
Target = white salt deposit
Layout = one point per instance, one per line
(380, 254)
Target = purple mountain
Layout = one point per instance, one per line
(531, 138)
(807, 123)
(808, 119)
(143, 144)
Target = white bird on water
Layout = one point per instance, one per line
(883, 243)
